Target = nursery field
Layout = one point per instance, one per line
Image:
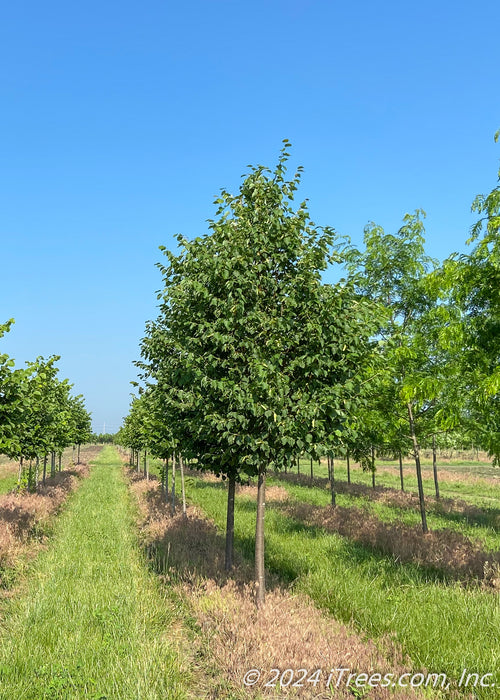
(441, 623)
(127, 601)
(367, 563)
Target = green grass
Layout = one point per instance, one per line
(7, 483)
(482, 528)
(476, 491)
(92, 621)
(441, 625)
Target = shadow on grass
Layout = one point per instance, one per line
(454, 510)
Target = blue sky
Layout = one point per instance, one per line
(120, 122)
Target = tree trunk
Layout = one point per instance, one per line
(20, 471)
(30, 477)
(312, 473)
(52, 464)
(348, 468)
(331, 474)
(298, 465)
(260, 576)
(231, 488)
(60, 458)
(183, 490)
(416, 453)
(44, 469)
(73, 455)
(434, 467)
(166, 480)
(172, 506)
(401, 471)
(144, 464)
(37, 472)
(373, 467)
(78, 458)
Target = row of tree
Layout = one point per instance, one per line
(254, 359)
(39, 416)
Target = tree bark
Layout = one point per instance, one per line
(416, 453)
(183, 490)
(172, 504)
(231, 488)
(331, 473)
(434, 467)
(348, 468)
(44, 469)
(260, 577)
(373, 467)
(312, 472)
(401, 471)
(78, 458)
(166, 480)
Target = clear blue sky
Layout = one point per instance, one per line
(120, 122)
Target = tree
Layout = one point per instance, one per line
(12, 383)
(474, 280)
(396, 273)
(81, 423)
(257, 359)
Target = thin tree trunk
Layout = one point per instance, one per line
(44, 469)
(373, 467)
(144, 464)
(60, 458)
(260, 575)
(73, 455)
(37, 472)
(416, 453)
(331, 473)
(231, 488)
(173, 485)
(434, 467)
(401, 471)
(137, 460)
(20, 472)
(52, 464)
(298, 465)
(166, 480)
(183, 490)
(348, 468)
(312, 473)
(30, 477)
(78, 458)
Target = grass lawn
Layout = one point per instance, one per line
(443, 626)
(91, 621)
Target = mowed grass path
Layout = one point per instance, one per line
(92, 621)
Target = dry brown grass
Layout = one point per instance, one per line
(24, 517)
(273, 493)
(288, 632)
(392, 497)
(443, 550)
